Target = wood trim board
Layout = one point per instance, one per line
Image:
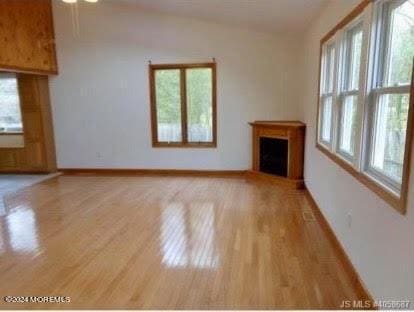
(11, 133)
(137, 172)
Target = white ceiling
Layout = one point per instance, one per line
(266, 15)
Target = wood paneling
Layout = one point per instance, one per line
(169, 243)
(38, 153)
(27, 36)
(294, 132)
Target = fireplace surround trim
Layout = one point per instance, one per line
(294, 133)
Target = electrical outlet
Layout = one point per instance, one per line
(98, 155)
(349, 220)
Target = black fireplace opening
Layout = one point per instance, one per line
(274, 156)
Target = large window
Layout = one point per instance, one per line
(183, 105)
(327, 93)
(364, 117)
(349, 96)
(10, 114)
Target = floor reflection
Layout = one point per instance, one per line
(2, 244)
(173, 236)
(21, 230)
(3, 203)
(188, 236)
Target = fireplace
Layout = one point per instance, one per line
(274, 156)
(278, 148)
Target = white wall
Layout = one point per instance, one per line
(380, 241)
(100, 98)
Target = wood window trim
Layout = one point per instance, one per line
(397, 202)
(182, 68)
(11, 133)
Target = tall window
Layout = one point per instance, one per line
(391, 91)
(349, 107)
(10, 114)
(327, 93)
(183, 105)
(364, 108)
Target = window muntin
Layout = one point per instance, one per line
(10, 113)
(183, 99)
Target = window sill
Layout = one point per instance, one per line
(11, 133)
(397, 202)
(184, 145)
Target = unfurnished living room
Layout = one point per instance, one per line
(206, 154)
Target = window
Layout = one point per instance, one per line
(391, 92)
(183, 105)
(327, 92)
(10, 114)
(349, 107)
(365, 102)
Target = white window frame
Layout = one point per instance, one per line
(375, 25)
(357, 24)
(324, 93)
(379, 70)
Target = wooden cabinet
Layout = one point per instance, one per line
(27, 36)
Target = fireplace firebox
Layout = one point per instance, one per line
(274, 156)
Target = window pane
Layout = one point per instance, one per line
(355, 49)
(10, 114)
(390, 131)
(199, 105)
(401, 42)
(326, 119)
(329, 66)
(348, 124)
(168, 100)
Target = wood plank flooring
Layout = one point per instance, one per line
(157, 242)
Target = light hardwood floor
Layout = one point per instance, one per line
(167, 242)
